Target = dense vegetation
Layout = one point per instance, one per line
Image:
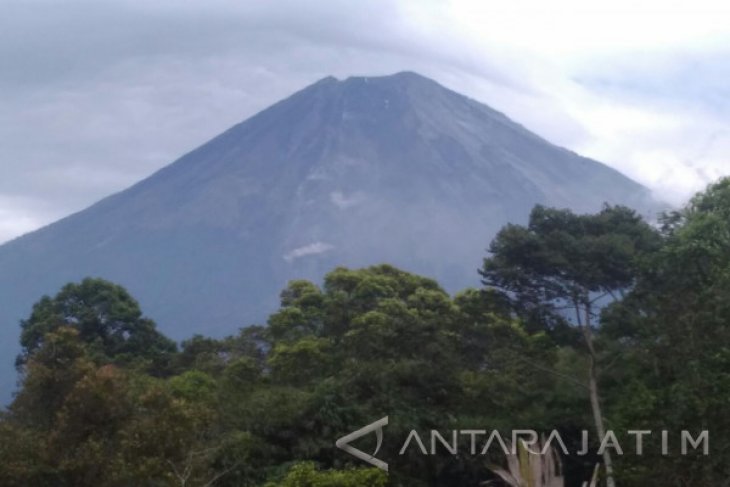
(585, 322)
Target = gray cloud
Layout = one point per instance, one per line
(97, 95)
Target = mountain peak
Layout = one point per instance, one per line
(327, 80)
(403, 82)
(350, 172)
(402, 77)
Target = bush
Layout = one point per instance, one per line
(307, 475)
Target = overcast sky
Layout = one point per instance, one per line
(96, 95)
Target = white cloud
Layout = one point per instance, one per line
(576, 28)
(310, 249)
(16, 218)
(342, 201)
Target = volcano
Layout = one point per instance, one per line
(353, 172)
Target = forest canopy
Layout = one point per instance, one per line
(583, 322)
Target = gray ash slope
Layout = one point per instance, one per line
(393, 169)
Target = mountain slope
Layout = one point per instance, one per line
(391, 169)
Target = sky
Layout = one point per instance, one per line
(95, 96)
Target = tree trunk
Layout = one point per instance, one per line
(598, 419)
(595, 398)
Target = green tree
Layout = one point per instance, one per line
(50, 374)
(561, 266)
(379, 341)
(107, 319)
(674, 334)
(84, 438)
